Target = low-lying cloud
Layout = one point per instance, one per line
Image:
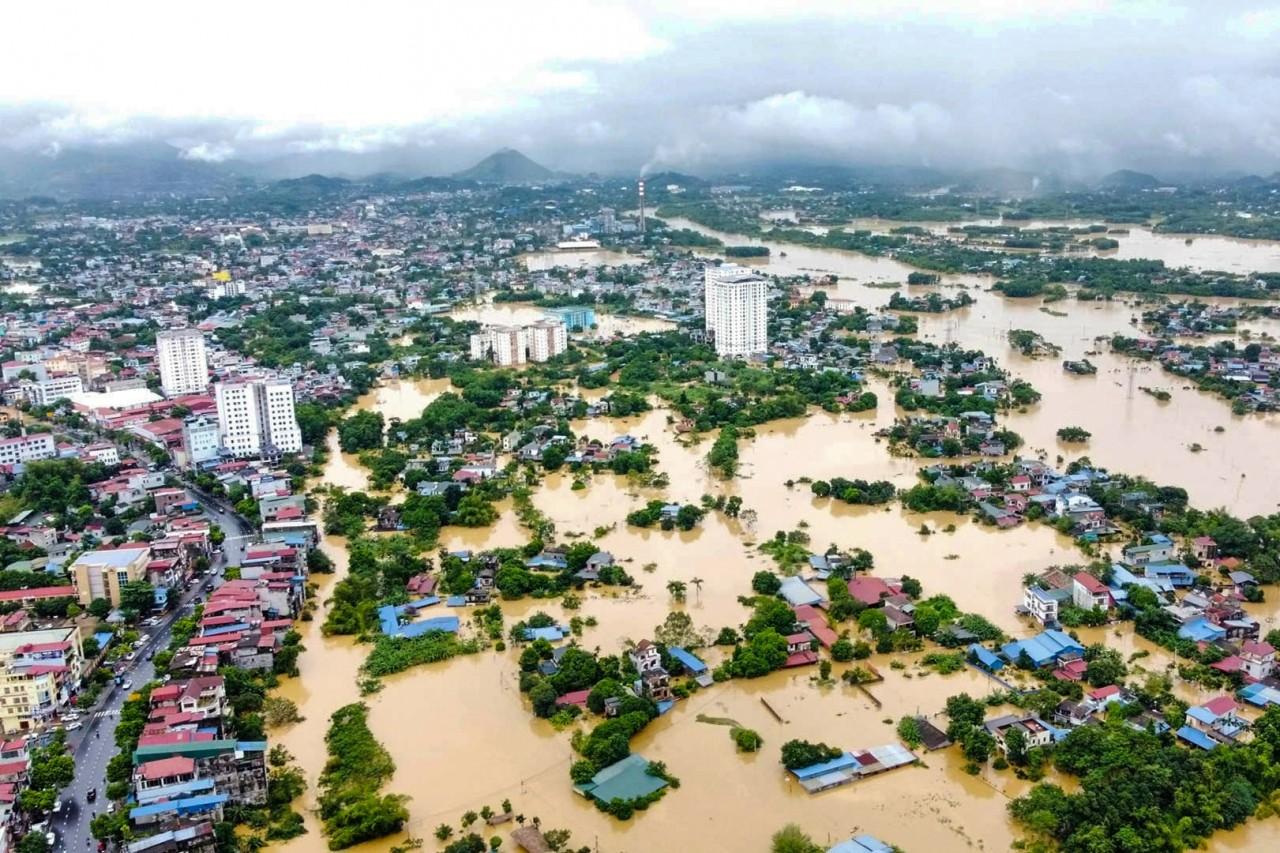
(1075, 86)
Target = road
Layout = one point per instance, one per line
(94, 744)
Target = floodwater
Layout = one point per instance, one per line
(578, 259)
(463, 737)
(607, 325)
(1197, 251)
(1132, 431)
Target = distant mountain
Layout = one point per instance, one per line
(1127, 179)
(507, 166)
(1012, 182)
(112, 171)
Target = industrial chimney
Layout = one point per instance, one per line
(641, 189)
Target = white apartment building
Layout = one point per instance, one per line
(511, 345)
(546, 340)
(225, 289)
(27, 448)
(503, 345)
(184, 365)
(737, 310)
(200, 440)
(50, 390)
(256, 417)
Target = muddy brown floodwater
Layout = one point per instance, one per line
(463, 738)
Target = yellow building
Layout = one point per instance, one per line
(39, 672)
(102, 574)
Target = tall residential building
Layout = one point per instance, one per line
(39, 670)
(256, 417)
(200, 441)
(737, 309)
(184, 366)
(504, 345)
(511, 345)
(102, 574)
(546, 340)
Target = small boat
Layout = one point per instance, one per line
(782, 254)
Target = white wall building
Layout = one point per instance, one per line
(184, 365)
(737, 310)
(511, 345)
(200, 440)
(503, 345)
(256, 417)
(48, 391)
(27, 448)
(546, 340)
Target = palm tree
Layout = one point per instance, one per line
(1030, 578)
(697, 584)
(676, 588)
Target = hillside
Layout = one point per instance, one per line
(507, 166)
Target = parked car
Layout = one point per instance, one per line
(70, 715)
(73, 725)
(51, 839)
(92, 795)
(57, 806)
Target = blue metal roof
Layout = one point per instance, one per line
(987, 658)
(1196, 737)
(187, 805)
(426, 626)
(687, 660)
(844, 762)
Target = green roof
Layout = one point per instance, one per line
(629, 779)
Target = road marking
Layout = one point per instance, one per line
(110, 712)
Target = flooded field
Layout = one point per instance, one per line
(463, 737)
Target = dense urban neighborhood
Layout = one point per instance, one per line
(624, 473)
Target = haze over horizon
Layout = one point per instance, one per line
(1077, 87)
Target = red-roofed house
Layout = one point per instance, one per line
(164, 771)
(870, 591)
(1089, 593)
(1257, 659)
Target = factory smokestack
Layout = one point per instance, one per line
(640, 187)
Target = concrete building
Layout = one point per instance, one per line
(737, 310)
(39, 670)
(200, 440)
(26, 448)
(48, 391)
(503, 345)
(546, 340)
(183, 363)
(102, 574)
(257, 418)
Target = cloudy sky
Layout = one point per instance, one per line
(1076, 86)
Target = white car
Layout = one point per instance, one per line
(51, 839)
(70, 716)
(57, 806)
(73, 725)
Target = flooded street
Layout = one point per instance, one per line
(464, 737)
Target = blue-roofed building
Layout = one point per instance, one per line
(1122, 578)
(1043, 649)
(448, 624)
(985, 658)
(203, 805)
(549, 561)
(798, 593)
(1260, 695)
(1175, 573)
(456, 601)
(1196, 737)
(861, 844)
(422, 603)
(692, 664)
(1201, 630)
(551, 633)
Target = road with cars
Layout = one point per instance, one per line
(92, 743)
